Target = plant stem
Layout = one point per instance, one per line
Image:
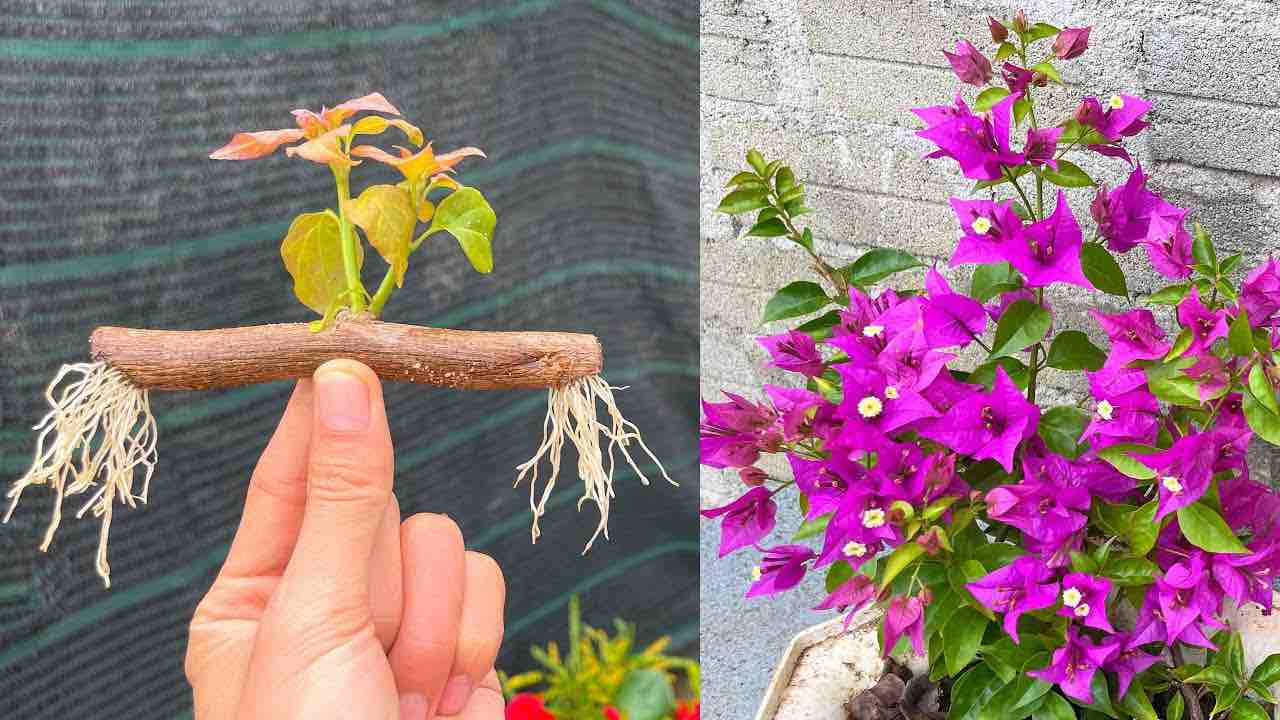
(1035, 356)
(342, 178)
(383, 294)
(1192, 700)
(1026, 202)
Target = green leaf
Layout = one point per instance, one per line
(772, 227)
(806, 239)
(1142, 529)
(992, 279)
(386, 214)
(1138, 704)
(1202, 249)
(645, 695)
(1132, 571)
(812, 528)
(1180, 345)
(1232, 656)
(1101, 269)
(743, 201)
(1083, 563)
(1040, 31)
(971, 692)
(1060, 428)
(798, 298)
(466, 216)
(988, 98)
(1167, 382)
(1240, 337)
(1121, 458)
(960, 575)
(820, 327)
(1023, 324)
(838, 574)
(1205, 528)
(1102, 696)
(878, 264)
(1068, 175)
(744, 178)
(1005, 51)
(1072, 350)
(1051, 72)
(1246, 709)
(756, 161)
(312, 253)
(1020, 110)
(1260, 406)
(785, 180)
(1170, 295)
(1016, 700)
(962, 636)
(904, 555)
(1054, 707)
(771, 168)
(1268, 671)
(1175, 708)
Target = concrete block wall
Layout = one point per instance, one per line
(827, 84)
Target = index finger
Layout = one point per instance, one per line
(277, 495)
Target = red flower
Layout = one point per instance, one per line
(688, 710)
(527, 706)
(611, 713)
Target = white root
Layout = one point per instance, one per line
(571, 413)
(99, 431)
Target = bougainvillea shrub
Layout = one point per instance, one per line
(1055, 560)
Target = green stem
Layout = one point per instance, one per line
(1026, 202)
(342, 178)
(1035, 356)
(383, 294)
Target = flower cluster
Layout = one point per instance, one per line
(1066, 545)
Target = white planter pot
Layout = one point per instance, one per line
(824, 666)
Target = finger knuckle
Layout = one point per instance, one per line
(348, 476)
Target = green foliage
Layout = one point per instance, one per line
(599, 670)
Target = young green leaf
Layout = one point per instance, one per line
(1068, 175)
(1072, 350)
(899, 560)
(1131, 571)
(771, 227)
(798, 298)
(1101, 269)
(1169, 295)
(820, 327)
(312, 253)
(1268, 671)
(1060, 428)
(992, 279)
(386, 214)
(878, 264)
(1240, 337)
(1202, 249)
(988, 98)
(1022, 325)
(743, 201)
(1205, 528)
(1121, 458)
(466, 216)
(756, 161)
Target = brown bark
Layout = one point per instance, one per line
(230, 357)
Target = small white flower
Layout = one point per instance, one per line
(872, 330)
(1071, 597)
(756, 573)
(854, 549)
(870, 406)
(1082, 609)
(981, 225)
(1116, 102)
(872, 518)
(1106, 410)
(891, 392)
(1171, 484)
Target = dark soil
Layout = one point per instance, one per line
(899, 695)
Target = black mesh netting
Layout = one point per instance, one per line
(110, 214)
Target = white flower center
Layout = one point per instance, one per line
(981, 225)
(872, 518)
(872, 330)
(1071, 597)
(1116, 102)
(1105, 410)
(1082, 609)
(891, 392)
(870, 406)
(756, 573)
(1171, 484)
(854, 549)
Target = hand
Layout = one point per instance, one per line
(328, 606)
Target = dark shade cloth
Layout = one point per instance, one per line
(110, 213)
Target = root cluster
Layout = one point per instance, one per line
(99, 432)
(571, 415)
